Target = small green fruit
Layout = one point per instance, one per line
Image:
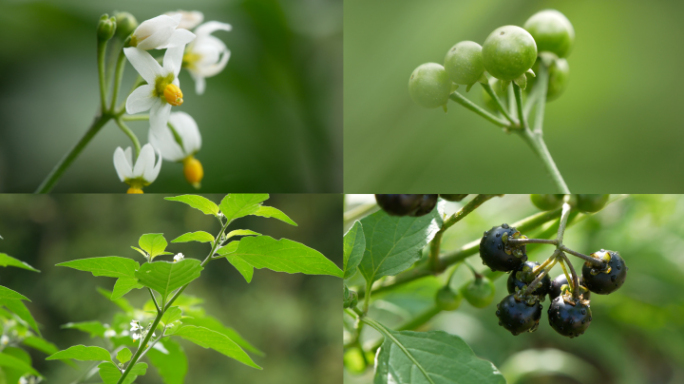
(448, 300)
(430, 86)
(464, 64)
(509, 52)
(552, 31)
(479, 292)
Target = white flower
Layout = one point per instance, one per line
(178, 257)
(162, 89)
(136, 336)
(143, 172)
(182, 127)
(109, 333)
(206, 56)
(189, 19)
(135, 326)
(22, 380)
(4, 340)
(160, 32)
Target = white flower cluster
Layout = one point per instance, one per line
(173, 136)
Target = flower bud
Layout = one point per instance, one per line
(106, 27)
(126, 24)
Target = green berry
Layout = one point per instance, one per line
(499, 91)
(559, 74)
(591, 203)
(463, 63)
(448, 300)
(509, 52)
(547, 202)
(430, 85)
(552, 31)
(479, 292)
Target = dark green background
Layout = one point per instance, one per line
(618, 128)
(271, 121)
(294, 319)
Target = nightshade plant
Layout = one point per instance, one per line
(526, 67)
(173, 136)
(19, 330)
(394, 253)
(169, 315)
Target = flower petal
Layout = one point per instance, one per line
(144, 63)
(179, 38)
(141, 99)
(189, 19)
(211, 26)
(214, 69)
(151, 173)
(123, 168)
(200, 83)
(164, 141)
(145, 160)
(159, 115)
(157, 35)
(187, 129)
(173, 60)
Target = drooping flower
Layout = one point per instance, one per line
(162, 89)
(206, 56)
(189, 19)
(160, 32)
(141, 173)
(179, 142)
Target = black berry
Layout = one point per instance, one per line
(522, 276)
(399, 205)
(497, 253)
(517, 315)
(560, 280)
(453, 197)
(427, 204)
(607, 279)
(569, 319)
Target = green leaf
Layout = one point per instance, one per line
(201, 236)
(165, 277)
(108, 266)
(9, 261)
(394, 243)
(94, 328)
(354, 247)
(6, 293)
(215, 325)
(110, 374)
(15, 363)
(235, 206)
(241, 232)
(172, 314)
(205, 205)
(284, 255)
(124, 355)
(124, 285)
(40, 344)
(82, 353)
(245, 269)
(154, 244)
(219, 342)
(433, 357)
(120, 302)
(228, 248)
(140, 251)
(19, 309)
(268, 212)
(172, 366)
(14, 375)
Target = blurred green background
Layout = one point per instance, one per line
(637, 333)
(271, 121)
(617, 128)
(294, 319)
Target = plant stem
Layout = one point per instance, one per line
(592, 260)
(488, 88)
(130, 134)
(537, 280)
(543, 84)
(518, 101)
(575, 279)
(135, 117)
(565, 213)
(359, 212)
(59, 169)
(142, 347)
(457, 97)
(120, 65)
(101, 51)
(536, 143)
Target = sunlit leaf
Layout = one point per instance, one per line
(217, 341)
(154, 244)
(9, 261)
(200, 236)
(172, 366)
(6, 293)
(235, 206)
(270, 212)
(354, 247)
(82, 353)
(19, 309)
(165, 277)
(94, 328)
(205, 205)
(109, 266)
(124, 285)
(110, 374)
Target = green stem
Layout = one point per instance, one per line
(575, 279)
(101, 51)
(457, 97)
(135, 117)
(118, 77)
(359, 212)
(59, 169)
(543, 84)
(519, 103)
(536, 143)
(130, 134)
(488, 88)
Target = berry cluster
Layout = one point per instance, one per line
(411, 205)
(509, 54)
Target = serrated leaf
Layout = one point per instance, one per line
(241, 232)
(235, 206)
(172, 366)
(354, 248)
(19, 309)
(82, 353)
(94, 328)
(284, 255)
(108, 266)
(110, 374)
(124, 285)
(120, 302)
(172, 314)
(9, 261)
(153, 243)
(215, 325)
(40, 344)
(217, 341)
(200, 236)
(205, 205)
(394, 243)
(433, 357)
(124, 355)
(8, 294)
(15, 363)
(270, 212)
(165, 277)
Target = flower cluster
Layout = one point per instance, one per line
(173, 136)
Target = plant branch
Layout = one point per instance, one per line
(457, 97)
(101, 51)
(135, 117)
(536, 143)
(519, 103)
(542, 84)
(488, 88)
(596, 262)
(575, 279)
(120, 65)
(154, 299)
(130, 134)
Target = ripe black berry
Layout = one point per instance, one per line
(608, 279)
(524, 275)
(427, 204)
(453, 197)
(568, 319)
(399, 205)
(517, 315)
(497, 253)
(560, 280)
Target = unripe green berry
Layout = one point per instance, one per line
(448, 300)
(509, 52)
(464, 64)
(552, 31)
(559, 74)
(499, 91)
(591, 203)
(479, 292)
(430, 85)
(106, 27)
(547, 202)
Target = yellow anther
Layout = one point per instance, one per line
(135, 190)
(192, 168)
(173, 95)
